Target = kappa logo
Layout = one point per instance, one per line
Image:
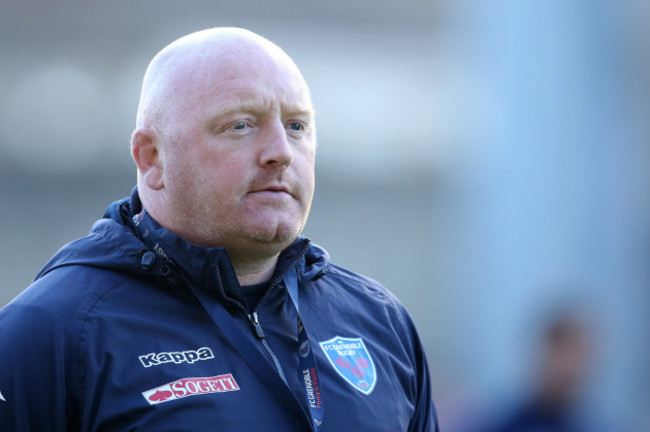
(186, 387)
(189, 356)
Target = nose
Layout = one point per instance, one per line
(276, 148)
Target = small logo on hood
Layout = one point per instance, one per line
(138, 218)
(186, 387)
(161, 252)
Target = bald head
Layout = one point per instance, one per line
(184, 68)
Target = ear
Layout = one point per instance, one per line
(147, 158)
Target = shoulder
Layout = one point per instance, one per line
(74, 279)
(60, 300)
(319, 267)
(41, 338)
(354, 283)
(352, 293)
(44, 329)
(347, 288)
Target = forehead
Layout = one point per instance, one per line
(261, 89)
(247, 77)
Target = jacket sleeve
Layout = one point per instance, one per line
(33, 354)
(424, 418)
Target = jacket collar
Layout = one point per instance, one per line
(128, 240)
(208, 268)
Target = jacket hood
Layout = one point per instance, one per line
(109, 245)
(128, 240)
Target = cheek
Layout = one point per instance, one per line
(224, 176)
(175, 174)
(207, 164)
(304, 165)
(188, 176)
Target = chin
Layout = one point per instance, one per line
(281, 234)
(277, 237)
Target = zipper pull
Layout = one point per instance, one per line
(255, 322)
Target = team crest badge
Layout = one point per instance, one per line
(352, 360)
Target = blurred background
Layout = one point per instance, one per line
(487, 161)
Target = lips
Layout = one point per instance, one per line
(272, 189)
(277, 189)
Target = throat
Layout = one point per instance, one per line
(253, 293)
(253, 273)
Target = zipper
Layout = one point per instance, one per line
(277, 280)
(259, 334)
(223, 291)
(257, 327)
(255, 321)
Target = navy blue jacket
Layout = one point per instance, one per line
(133, 328)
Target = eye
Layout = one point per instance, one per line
(296, 126)
(240, 125)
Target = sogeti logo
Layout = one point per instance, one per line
(189, 356)
(190, 387)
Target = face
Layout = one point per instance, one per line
(238, 152)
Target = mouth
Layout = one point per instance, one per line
(273, 190)
(276, 189)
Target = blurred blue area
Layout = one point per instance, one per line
(487, 161)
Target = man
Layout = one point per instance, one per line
(195, 304)
(562, 359)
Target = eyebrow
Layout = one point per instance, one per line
(259, 109)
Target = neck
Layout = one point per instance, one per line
(250, 273)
